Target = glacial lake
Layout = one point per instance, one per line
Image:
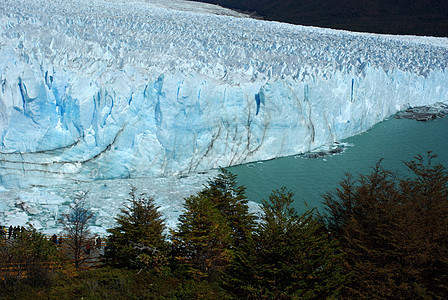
(392, 140)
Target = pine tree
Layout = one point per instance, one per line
(369, 219)
(290, 256)
(138, 240)
(423, 241)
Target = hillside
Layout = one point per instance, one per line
(417, 17)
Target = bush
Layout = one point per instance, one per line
(30, 259)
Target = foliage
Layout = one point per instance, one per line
(214, 222)
(394, 231)
(30, 258)
(111, 283)
(202, 239)
(138, 240)
(231, 202)
(77, 237)
(290, 256)
(389, 234)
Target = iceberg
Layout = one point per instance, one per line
(94, 90)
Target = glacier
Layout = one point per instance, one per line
(100, 90)
(95, 90)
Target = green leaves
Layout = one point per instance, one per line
(290, 255)
(214, 222)
(31, 256)
(138, 240)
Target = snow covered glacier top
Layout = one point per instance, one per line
(113, 89)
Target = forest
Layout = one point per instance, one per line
(416, 17)
(378, 236)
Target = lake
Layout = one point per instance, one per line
(393, 140)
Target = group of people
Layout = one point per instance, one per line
(97, 243)
(11, 231)
(55, 240)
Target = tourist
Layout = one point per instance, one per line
(54, 239)
(98, 242)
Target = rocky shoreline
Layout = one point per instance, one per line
(424, 113)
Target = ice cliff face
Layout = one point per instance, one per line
(115, 89)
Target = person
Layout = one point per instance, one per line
(54, 239)
(88, 247)
(15, 231)
(10, 232)
(98, 242)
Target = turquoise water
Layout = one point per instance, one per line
(393, 140)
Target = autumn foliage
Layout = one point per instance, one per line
(394, 232)
(382, 236)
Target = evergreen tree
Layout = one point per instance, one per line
(423, 232)
(138, 240)
(290, 256)
(230, 200)
(365, 218)
(214, 222)
(394, 232)
(202, 239)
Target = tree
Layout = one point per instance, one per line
(363, 222)
(77, 237)
(394, 231)
(215, 221)
(202, 239)
(138, 241)
(29, 257)
(229, 198)
(423, 231)
(290, 256)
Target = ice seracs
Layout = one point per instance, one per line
(98, 90)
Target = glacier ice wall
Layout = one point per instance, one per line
(97, 90)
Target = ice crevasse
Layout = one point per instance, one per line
(99, 90)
